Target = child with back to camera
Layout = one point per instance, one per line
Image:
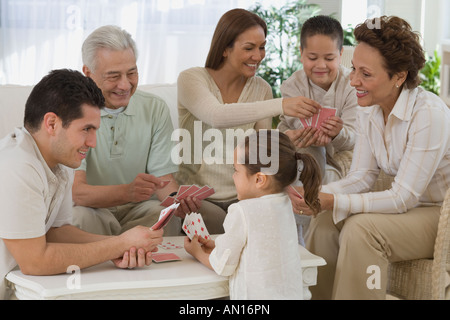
(259, 249)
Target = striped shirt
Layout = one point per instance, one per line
(413, 146)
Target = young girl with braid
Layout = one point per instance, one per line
(259, 249)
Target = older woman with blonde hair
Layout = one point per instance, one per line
(404, 131)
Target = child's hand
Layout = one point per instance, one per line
(193, 247)
(332, 126)
(207, 245)
(303, 138)
(198, 245)
(201, 252)
(322, 139)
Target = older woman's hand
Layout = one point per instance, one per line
(300, 207)
(332, 126)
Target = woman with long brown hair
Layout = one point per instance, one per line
(227, 94)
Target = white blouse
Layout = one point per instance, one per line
(259, 250)
(413, 146)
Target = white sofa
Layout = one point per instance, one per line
(14, 97)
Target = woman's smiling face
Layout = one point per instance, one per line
(371, 80)
(247, 52)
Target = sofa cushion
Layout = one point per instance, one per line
(12, 106)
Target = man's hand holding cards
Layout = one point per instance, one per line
(165, 216)
(192, 191)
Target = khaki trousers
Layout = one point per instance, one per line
(359, 249)
(116, 220)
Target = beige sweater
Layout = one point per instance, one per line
(340, 96)
(200, 108)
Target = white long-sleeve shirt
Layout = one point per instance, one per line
(413, 146)
(259, 250)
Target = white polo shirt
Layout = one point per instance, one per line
(33, 197)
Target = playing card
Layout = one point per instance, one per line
(324, 114)
(169, 245)
(199, 191)
(200, 229)
(206, 194)
(168, 201)
(292, 190)
(304, 123)
(165, 257)
(164, 217)
(182, 189)
(164, 183)
(194, 225)
(186, 226)
(188, 192)
(314, 120)
(171, 200)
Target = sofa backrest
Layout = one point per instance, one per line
(14, 97)
(12, 106)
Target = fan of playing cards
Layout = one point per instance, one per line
(185, 191)
(194, 225)
(165, 216)
(316, 120)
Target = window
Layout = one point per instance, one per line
(37, 36)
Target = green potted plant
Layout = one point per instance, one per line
(431, 74)
(283, 39)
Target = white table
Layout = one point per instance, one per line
(185, 279)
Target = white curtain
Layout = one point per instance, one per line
(37, 36)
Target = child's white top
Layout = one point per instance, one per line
(259, 250)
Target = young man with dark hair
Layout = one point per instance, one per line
(62, 116)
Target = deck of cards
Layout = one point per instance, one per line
(194, 225)
(185, 191)
(316, 120)
(165, 257)
(164, 216)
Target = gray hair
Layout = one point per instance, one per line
(109, 37)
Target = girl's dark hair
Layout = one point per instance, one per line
(285, 160)
(62, 92)
(323, 25)
(398, 45)
(229, 27)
